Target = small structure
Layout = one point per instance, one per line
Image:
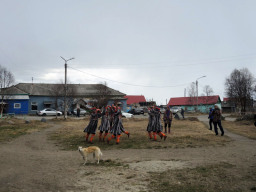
(190, 103)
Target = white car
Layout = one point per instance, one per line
(126, 115)
(175, 109)
(48, 111)
(82, 112)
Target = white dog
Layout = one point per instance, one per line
(93, 149)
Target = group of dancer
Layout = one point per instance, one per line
(154, 123)
(111, 122)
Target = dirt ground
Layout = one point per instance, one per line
(34, 163)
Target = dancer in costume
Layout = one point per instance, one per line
(92, 126)
(158, 128)
(151, 122)
(105, 123)
(117, 128)
(111, 115)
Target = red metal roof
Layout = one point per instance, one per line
(192, 100)
(225, 99)
(134, 99)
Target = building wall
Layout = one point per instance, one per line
(201, 108)
(39, 100)
(23, 106)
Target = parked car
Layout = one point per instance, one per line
(82, 112)
(127, 115)
(136, 111)
(162, 110)
(48, 111)
(175, 109)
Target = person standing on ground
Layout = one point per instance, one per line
(92, 126)
(182, 112)
(151, 122)
(217, 120)
(117, 128)
(105, 123)
(210, 117)
(158, 128)
(78, 112)
(167, 120)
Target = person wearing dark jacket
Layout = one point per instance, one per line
(210, 117)
(167, 120)
(182, 112)
(78, 112)
(217, 120)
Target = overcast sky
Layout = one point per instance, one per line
(157, 46)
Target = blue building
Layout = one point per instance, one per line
(38, 96)
(15, 101)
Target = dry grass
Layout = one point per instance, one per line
(245, 128)
(211, 178)
(13, 128)
(185, 133)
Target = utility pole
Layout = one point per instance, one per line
(197, 91)
(65, 86)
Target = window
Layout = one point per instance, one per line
(17, 105)
(33, 106)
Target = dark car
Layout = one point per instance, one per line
(136, 111)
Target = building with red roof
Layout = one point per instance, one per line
(134, 99)
(191, 103)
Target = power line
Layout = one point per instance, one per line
(184, 63)
(124, 83)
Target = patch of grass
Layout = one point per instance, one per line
(211, 178)
(185, 133)
(13, 128)
(244, 128)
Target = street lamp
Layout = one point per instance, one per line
(197, 91)
(65, 88)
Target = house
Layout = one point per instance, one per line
(40, 95)
(191, 103)
(228, 106)
(134, 101)
(15, 101)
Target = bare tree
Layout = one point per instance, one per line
(103, 94)
(208, 91)
(192, 93)
(239, 87)
(6, 80)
